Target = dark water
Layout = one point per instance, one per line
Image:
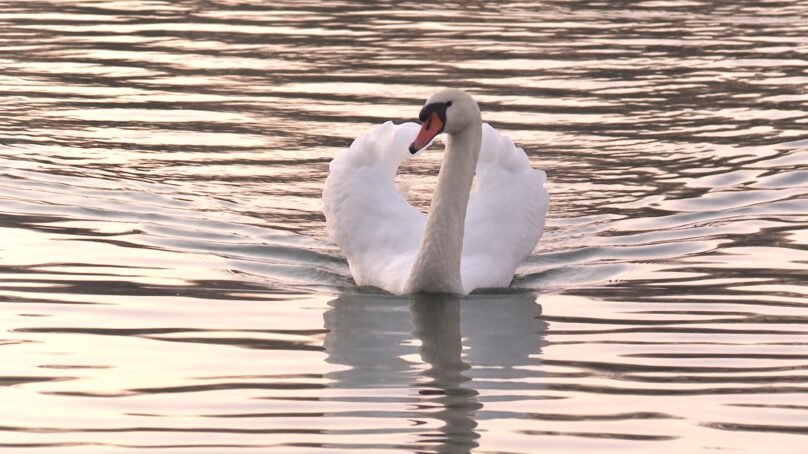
(166, 283)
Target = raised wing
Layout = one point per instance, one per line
(377, 229)
(506, 212)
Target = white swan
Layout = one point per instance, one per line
(470, 239)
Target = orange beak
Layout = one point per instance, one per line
(429, 129)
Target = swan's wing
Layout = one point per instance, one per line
(506, 211)
(366, 216)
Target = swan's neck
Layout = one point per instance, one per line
(437, 265)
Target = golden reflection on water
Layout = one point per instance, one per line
(166, 282)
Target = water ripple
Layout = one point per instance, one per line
(166, 281)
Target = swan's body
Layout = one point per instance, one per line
(472, 238)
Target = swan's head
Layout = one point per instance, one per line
(450, 111)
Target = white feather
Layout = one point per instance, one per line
(380, 232)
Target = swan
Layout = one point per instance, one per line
(486, 216)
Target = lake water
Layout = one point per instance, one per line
(167, 284)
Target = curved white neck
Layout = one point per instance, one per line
(437, 266)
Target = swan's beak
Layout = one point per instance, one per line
(429, 129)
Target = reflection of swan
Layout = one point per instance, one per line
(437, 326)
(375, 336)
(388, 242)
(369, 333)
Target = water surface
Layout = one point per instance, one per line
(167, 284)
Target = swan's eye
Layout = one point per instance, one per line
(448, 103)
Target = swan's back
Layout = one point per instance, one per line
(380, 232)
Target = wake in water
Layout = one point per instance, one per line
(166, 281)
